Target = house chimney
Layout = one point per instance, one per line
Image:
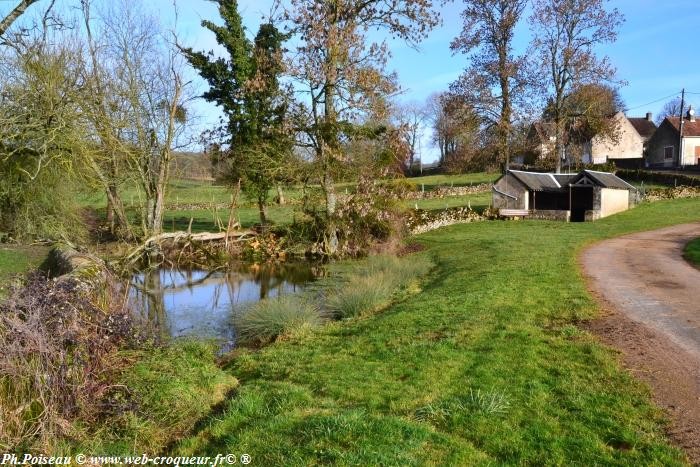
(691, 114)
(649, 116)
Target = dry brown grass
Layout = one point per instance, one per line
(58, 346)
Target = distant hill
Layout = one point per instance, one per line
(191, 166)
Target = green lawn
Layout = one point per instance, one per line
(197, 192)
(204, 220)
(692, 252)
(478, 201)
(486, 366)
(15, 260)
(433, 181)
(179, 192)
(182, 194)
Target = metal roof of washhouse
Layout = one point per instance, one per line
(539, 181)
(604, 180)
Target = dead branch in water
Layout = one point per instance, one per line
(186, 238)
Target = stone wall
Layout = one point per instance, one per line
(552, 215)
(82, 270)
(446, 191)
(508, 184)
(662, 178)
(593, 215)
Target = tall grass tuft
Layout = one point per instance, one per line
(401, 270)
(372, 285)
(269, 319)
(361, 295)
(488, 402)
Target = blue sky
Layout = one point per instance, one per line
(657, 51)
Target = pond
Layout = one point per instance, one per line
(201, 304)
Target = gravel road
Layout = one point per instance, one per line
(651, 297)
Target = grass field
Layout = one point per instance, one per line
(197, 192)
(15, 260)
(692, 252)
(433, 181)
(198, 201)
(486, 366)
(206, 219)
(201, 201)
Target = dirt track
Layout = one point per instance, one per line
(652, 300)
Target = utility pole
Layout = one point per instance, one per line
(680, 128)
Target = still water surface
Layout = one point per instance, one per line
(202, 304)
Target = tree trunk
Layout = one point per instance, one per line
(14, 14)
(110, 215)
(328, 150)
(280, 196)
(158, 210)
(121, 222)
(116, 216)
(331, 240)
(113, 199)
(156, 220)
(147, 217)
(165, 156)
(262, 210)
(506, 114)
(558, 144)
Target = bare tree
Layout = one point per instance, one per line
(137, 107)
(565, 35)
(342, 73)
(439, 123)
(672, 108)
(410, 119)
(495, 78)
(456, 126)
(100, 111)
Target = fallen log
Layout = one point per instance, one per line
(200, 237)
(187, 237)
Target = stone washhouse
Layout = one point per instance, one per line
(584, 196)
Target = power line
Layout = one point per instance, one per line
(675, 94)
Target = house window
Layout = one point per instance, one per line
(668, 152)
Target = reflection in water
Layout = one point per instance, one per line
(199, 303)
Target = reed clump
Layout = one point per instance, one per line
(268, 319)
(372, 286)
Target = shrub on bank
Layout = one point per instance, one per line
(78, 375)
(269, 319)
(58, 347)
